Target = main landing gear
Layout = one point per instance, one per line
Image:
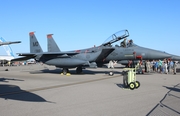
(65, 71)
(79, 70)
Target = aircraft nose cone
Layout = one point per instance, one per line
(156, 55)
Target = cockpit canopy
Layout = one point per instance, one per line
(118, 36)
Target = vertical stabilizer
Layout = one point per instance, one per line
(52, 46)
(34, 44)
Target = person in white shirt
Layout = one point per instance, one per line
(165, 68)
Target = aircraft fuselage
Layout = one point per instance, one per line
(134, 53)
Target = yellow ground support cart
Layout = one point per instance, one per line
(129, 78)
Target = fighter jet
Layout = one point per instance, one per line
(71, 59)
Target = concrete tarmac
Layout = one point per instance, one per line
(40, 90)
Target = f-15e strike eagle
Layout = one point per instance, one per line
(71, 59)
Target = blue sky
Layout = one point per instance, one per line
(78, 24)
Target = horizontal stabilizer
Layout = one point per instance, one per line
(60, 53)
(26, 54)
(22, 58)
(48, 53)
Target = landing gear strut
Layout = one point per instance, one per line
(79, 70)
(65, 71)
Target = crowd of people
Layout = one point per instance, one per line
(165, 66)
(162, 66)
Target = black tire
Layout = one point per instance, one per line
(79, 70)
(132, 85)
(64, 71)
(137, 83)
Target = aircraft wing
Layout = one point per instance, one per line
(22, 58)
(7, 43)
(48, 53)
(27, 56)
(59, 53)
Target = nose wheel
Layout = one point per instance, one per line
(111, 73)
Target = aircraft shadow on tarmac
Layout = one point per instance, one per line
(8, 79)
(167, 107)
(89, 72)
(14, 92)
